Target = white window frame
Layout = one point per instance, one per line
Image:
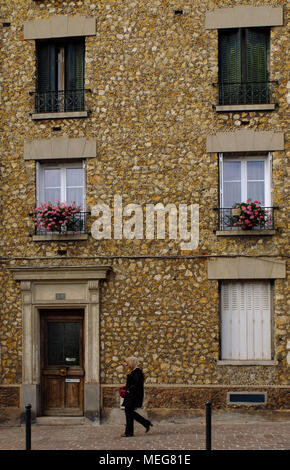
(246, 320)
(267, 158)
(41, 166)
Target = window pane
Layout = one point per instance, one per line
(232, 194)
(63, 343)
(74, 177)
(51, 178)
(74, 195)
(52, 195)
(232, 171)
(55, 335)
(255, 170)
(256, 190)
(72, 343)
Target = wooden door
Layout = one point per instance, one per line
(62, 371)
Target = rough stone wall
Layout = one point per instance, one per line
(151, 75)
(193, 398)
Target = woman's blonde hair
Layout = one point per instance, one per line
(132, 362)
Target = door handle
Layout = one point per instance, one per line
(62, 372)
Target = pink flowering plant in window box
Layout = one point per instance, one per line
(59, 217)
(248, 215)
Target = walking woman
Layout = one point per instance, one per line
(134, 397)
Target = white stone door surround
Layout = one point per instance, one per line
(60, 287)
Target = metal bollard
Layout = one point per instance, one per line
(28, 426)
(208, 425)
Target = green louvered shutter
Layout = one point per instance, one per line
(230, 66)
(256, 55)
(75, 75)
(46, 76)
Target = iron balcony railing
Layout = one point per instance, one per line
(245, 93)
(77, 224)
(59, 101)
(231, 219)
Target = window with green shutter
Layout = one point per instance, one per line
(243, 66)
(60, 75)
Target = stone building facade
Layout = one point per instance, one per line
(152, 126)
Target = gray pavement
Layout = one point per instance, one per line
(230, 431)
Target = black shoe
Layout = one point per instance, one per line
(148, 426)
(126, 435)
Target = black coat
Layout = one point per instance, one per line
(134, 389)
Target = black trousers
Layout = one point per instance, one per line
(131, 414)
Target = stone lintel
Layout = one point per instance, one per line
(44, 273)
(246, 268)
(245, 140)
(244, 16)
(59, 147)
(59, 27)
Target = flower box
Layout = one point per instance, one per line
(249, 215)
(57, 218)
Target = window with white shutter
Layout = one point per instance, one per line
(246, 320)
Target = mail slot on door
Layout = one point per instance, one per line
(72, 380)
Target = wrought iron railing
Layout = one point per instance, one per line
(59, 101)
(230, 219)
(245, 93)
(77, 224)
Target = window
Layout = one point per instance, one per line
(60, 75)
(63, 182)
(245, 178)
(243, 66)
(246, 320)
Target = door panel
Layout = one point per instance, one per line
(62, 363)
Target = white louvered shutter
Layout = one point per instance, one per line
(246, 320)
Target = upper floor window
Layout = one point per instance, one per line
(243, 66)
(245, 181)
(64, 182)
(60, 199)
(245, 178)
(60, 75)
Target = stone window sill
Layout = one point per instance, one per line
(245, 107)
(66, 115)
(245, 233)
(247, 363)
(58, 237)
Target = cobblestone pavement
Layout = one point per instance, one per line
(229, 432)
